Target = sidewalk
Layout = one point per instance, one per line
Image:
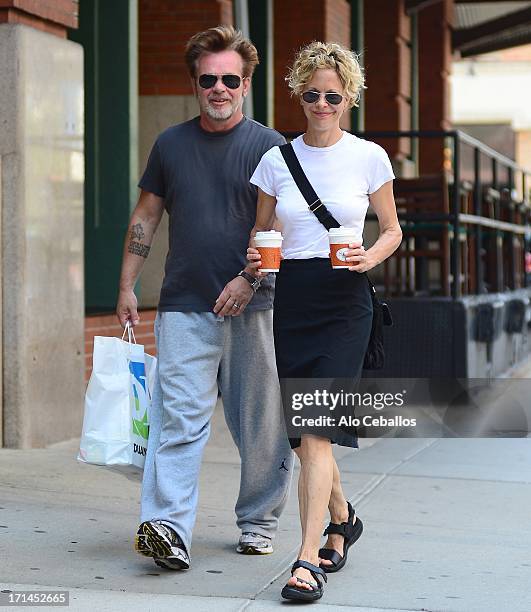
(447, 527)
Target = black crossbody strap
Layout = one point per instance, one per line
(301, 180)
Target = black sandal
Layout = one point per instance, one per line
(300, 594)
(350, 531)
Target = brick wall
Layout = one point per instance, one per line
(52, 16)
(435, 61)
(337, 21)
(387, 60)
(164, 27)
(296, 23)
(107, 325)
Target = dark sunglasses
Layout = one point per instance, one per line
(232, 81)
(313, 96)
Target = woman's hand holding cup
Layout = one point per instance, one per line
(346, 250)
(255, 261)
(357, 257)
(269, 245)
(265, 251)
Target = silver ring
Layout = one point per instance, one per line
(236, 305)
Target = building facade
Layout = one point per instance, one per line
(86, 87)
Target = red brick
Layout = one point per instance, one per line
(16, 16)
(326, 20)
(435, 59)
(164, 28)
(310, 26)
(52, 12)
(107, 325)
(387, 71)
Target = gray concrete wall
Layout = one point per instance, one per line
(156, 113)
(41, 150)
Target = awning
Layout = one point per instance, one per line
(482, 27)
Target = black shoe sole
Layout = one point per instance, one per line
(171, 563)
(302, 595)
(250, 550)
(150, 543)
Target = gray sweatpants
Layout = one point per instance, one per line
(197, 354)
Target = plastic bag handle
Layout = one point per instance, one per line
(130, 333)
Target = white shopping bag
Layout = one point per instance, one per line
(117, 404)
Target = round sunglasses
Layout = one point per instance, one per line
(232, 81)
(313, 96)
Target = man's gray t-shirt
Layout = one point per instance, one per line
(204, 180)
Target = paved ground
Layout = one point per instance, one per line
(447, 527)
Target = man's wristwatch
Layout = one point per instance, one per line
(254, 282)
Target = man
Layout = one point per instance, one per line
(214, 322)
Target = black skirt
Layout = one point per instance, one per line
(322, 323)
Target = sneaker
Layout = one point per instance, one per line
(157, 540)
(251, 543)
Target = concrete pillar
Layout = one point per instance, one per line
(166, 96)
(387, 59)
(297, 23)
(435, 61)
(42, 172)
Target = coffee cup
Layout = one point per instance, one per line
(268, 245)
(340, 238)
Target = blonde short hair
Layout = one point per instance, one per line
(327, 55)
(220, 38)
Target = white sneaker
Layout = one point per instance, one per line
(251, 543)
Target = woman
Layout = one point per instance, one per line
(322, 316)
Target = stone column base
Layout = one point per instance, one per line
(42, 174)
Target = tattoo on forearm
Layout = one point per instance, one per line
(137, 232)
(136, 248)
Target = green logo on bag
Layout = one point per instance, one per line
(141, 428)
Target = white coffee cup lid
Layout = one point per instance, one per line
(272, 235)
(349, 231)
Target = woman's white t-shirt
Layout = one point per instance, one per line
(343, 175)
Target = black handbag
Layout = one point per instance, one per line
(375, 354)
